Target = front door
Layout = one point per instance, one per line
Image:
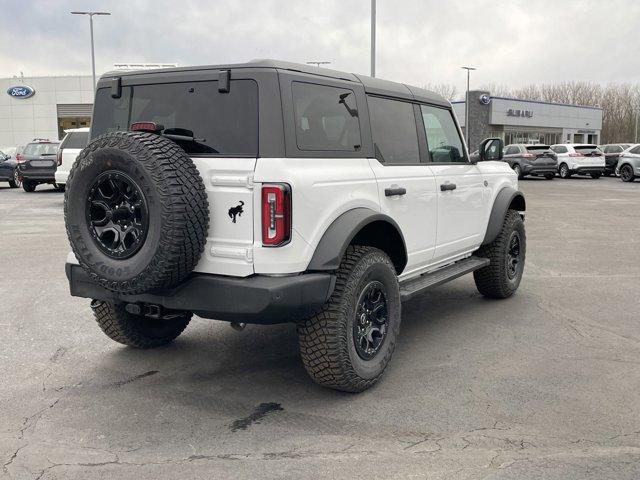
(406, 185)
(460, 186)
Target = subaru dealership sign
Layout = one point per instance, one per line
(21, 91)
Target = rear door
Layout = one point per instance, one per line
(542, 155)
(460, 186)
(40, 158)
(406, 185)
(589, 156)
(220, 127)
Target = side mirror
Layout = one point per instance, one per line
(491, 149)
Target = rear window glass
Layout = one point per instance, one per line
(393, 126)
(537, 148)
(219, 123)
(586, 149)
(75, 140)
(35, 149)
(326, 118)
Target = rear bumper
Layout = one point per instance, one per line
(38, 174)
(258, 299)
(61, 177)
(539, 170)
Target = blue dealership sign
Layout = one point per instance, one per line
(21, 91)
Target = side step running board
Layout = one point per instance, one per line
(413, 287)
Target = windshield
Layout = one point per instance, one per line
(196, 115)
(587, 149)
(39, 149)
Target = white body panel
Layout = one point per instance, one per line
(69, 156)
(415, 212)
(575, 163)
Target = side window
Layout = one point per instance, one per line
(559, 149)
(635, 150)
(393, 126)
(512, 150)
(443, 139)
(326, 118)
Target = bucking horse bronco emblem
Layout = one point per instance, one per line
(236, 211)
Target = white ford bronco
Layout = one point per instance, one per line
(272, 192)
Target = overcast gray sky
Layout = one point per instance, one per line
(511, 42)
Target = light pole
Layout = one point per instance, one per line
(93, 58)
(317, 64)
(373, 38)
(466, 105)
(635, 137)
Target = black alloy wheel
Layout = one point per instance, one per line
(117, 214)
(513, 255)
(371, 322)
(626, 173)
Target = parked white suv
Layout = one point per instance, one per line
(72, 144)
(273, 192)
(579, 159)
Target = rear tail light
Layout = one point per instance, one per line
(19, 158)
(276, 214)
(151, 127)
(528, 155)
(59, 157)
(576, 155)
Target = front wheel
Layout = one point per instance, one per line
(137, 330)
(626, 173)
(518, 169)
(501, 278)
(348, 345)
(29, 186)
(564, 171)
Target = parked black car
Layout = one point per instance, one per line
(9, 167)
(535, 160)
(612, 153)
(38, 163)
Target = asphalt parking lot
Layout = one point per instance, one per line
(543, 385)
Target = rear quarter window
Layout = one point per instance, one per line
(75, 140)
(220, 123)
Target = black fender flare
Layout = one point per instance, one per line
(506, 197)
(341, 232)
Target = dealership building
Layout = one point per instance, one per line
(44, 107)
(528, 121)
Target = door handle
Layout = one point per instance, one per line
(447, 186)
(390, 192)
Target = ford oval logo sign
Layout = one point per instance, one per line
(21, 91)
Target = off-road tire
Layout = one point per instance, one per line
(326, 340)
(518, 169)
(550, 176)
(493, 281)
(595, 176)
(29, 186)
(177, 204)
(626, 173)
(135, 330)
(564, 171)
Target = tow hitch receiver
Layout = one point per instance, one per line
(150, 310)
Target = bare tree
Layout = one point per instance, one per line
(447, 90)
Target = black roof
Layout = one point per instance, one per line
(372, 85)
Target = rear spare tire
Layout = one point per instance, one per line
(136, 212)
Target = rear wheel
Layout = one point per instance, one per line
(501, 278)
(137, 330)
(29, 186)
(348, 345)
(595, 175)
(16, 182)
(59, 187)
(626, 173)
(564, 171)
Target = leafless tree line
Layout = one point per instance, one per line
(620, 102)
